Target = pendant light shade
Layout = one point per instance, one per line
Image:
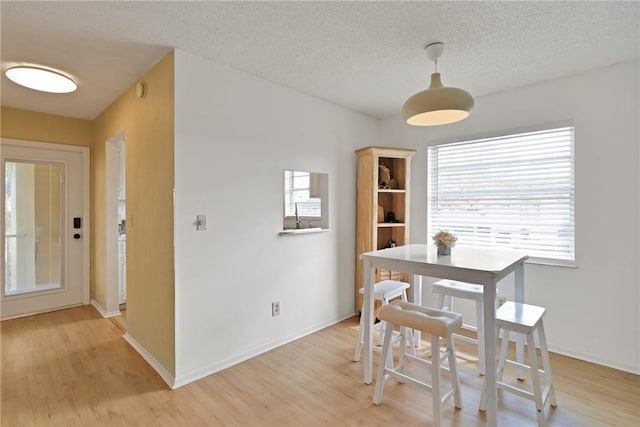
(438, 105)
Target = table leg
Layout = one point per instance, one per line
(490, 353)
(519, 297)
(416, 298)
(367, 312)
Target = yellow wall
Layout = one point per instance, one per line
(31, 126)
(148, 126)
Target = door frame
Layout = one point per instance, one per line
(86, 205)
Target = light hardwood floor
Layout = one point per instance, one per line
(120, 321)
(72, 367)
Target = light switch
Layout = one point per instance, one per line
(201, 222)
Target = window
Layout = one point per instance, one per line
(298, 192)
(514, 191)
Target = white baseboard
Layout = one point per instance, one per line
(164, 374)
(587, 357)
(182, 380)
(103, 312)
(32, 313)
(634, 369)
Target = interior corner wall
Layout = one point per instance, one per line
(235, 136)
(598, 302)
(148, 126)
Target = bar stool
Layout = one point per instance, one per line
(383, 291)
(438, 323)
(446, 290)
(525, 319)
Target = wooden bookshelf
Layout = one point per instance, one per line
(373, 230)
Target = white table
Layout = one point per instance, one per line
(474, 265)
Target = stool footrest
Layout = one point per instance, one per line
(523, 366)
(412, 358)
(447, 395)
(516, 364)
(394, 339)
(418, 359)
(374, 347)
(516, 390)
(405, 378)
(524, 393)
(444, 356)
(545, 394)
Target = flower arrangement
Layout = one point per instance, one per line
(444, 238)
(444, 241)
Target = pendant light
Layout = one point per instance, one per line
(438, 105)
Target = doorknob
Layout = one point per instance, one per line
(76, 236)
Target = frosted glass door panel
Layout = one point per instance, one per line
(33, 227)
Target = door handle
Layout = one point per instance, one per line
(76, 236)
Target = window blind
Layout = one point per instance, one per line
(514, 191)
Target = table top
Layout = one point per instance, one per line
(494, 261)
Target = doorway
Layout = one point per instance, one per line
(116, 230)
(45, 204)
(122, 228)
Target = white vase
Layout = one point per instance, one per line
(444, 250)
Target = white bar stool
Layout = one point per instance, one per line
(438, 323)
(383, 291)
(446, 290)
(525, 319)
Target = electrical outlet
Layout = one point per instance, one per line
(275, 308)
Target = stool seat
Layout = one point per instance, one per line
(387, 289)
(458, 289)
(518, 316)
(525, 319)
(438, 323)
(428, 320)
(449, 289)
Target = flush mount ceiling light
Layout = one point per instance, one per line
(41, 79)
(438, 105)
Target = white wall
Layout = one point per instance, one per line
(593, 310)
(234, 136)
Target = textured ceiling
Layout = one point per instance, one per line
(367, 56)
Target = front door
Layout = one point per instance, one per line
(45, 227)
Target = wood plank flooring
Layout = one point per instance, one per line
(120, 321)
(72, 367)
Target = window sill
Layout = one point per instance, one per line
(303, 231)
(551, 262)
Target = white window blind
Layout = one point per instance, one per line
(514, 191)
(297, 193)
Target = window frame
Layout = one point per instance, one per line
(290, 190)
(572, 263)
(321, 190)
